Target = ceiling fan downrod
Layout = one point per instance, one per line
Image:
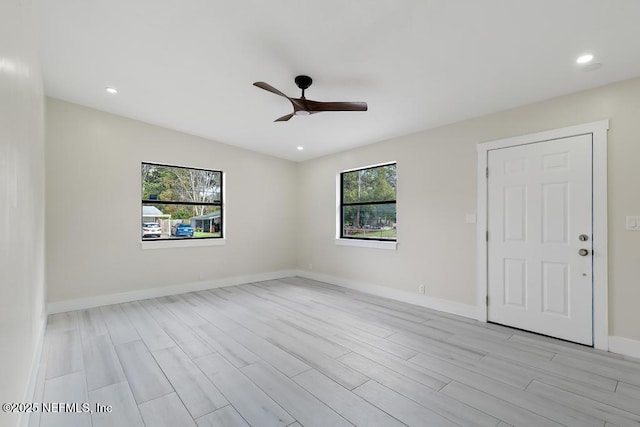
(303, 82)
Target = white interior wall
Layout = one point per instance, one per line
(93, 158)
(93, 207)
(437, 188)
(21, 201)
(282, 214)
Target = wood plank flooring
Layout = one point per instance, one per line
(295, 352)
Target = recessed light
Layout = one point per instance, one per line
(584, 59)
(300, 148)
(111, 90)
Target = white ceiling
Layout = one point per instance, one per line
(189, 65)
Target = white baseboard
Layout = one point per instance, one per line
(625, 346)
(33, 372)
(447, 306)
(98, 301)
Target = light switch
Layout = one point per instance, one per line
(470, 218)
(633, 223)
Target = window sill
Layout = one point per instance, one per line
(374, 244)
(182, 243)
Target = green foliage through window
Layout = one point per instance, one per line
(368, 203)
(183, 202)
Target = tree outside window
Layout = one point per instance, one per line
(368, 203)
(183, 202)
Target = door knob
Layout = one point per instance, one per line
(583, 252)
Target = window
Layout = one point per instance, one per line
(368, 203)
(180, 203)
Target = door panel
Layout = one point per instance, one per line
(515, 213)
(515, 282)
(539, 202)
(555, 288)
(555, 213)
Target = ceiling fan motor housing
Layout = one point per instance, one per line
(303, 82)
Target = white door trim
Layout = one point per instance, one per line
(600, 296)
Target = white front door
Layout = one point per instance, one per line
(540, 238)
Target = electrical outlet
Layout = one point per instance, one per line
(310, 266)
(421, 289)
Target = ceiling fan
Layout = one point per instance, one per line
(303, 106)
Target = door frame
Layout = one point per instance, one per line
(598, 130)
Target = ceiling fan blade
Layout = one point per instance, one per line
(269, 88)
(266, 86)
(316, 106)
(306, 106)
(284, 118)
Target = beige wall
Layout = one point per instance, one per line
(437, 187)
(281, 214)
(93, 207)
(21, 201)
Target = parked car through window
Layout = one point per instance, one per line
(151, 229)
(182, 230)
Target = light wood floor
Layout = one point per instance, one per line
(295, 352)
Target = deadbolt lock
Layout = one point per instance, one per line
(583, 237)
